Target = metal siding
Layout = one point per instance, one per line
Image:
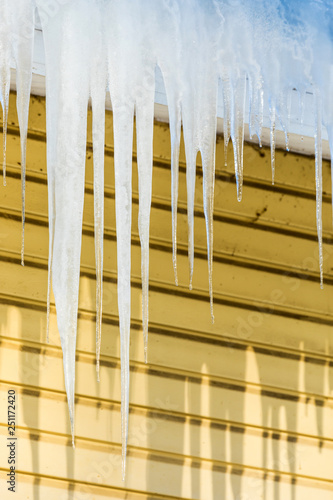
(241, 409)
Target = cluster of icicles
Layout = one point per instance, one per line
(263, 47)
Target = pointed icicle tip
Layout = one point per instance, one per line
(22, 240)
(123, 468)
(174, 261)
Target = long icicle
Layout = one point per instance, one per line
(207, 149)
(68, 90)
(190, 113)
(171, 67)
(319, 182)
(144, 133)
(191, 154)
(23, 50)
(123, 137)
(237, 130)
(98, 94)
(5, 53)
(208, 160)
(5, 105)
(272, 139)
(175, 130)
(226, 89)
(98, 109)
(256, 115)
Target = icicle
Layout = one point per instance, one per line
(123, 136)
(5, 53)
(256, 107)
(302, 110)
(289, 99)
(98, 92)
(66, 39)
(191, 154)
(208, 162)
(319, 181)
(191, 117)
(123, 62)
(199, 109)
(23, 25)
(272, 139)
(144, 130)
(237, 130)
(208, 189)
(169, 61)
(175, 128)
(208, 114)
(226, 116)
(98, 108)
(5, 104)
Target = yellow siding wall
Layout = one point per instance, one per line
(238, 410)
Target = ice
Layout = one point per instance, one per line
(170, 63)
(5, 56)
(259, 52)
(144, 127)
(256, 119)
(17, 26)
(226, 116)
(67, 44)
(319, 182)
(272, 113)
(23, 26)
(131, 70)
(98, 84)
(237, 128)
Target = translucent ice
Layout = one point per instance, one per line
(17, 25)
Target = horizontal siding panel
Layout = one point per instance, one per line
(239, 409)
(290, 206)
(93, 462)
(31, 283)
(308, 340)
(292, 170)
(250, 237)
(209, 397)
(268, 287)
(151, 430)
(293, 372)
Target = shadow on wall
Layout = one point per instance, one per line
(23, 338)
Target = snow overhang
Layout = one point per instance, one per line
(301, 136)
